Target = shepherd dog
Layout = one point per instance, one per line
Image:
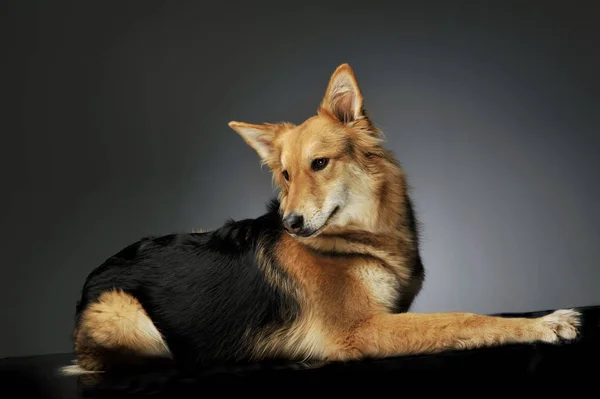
(328, 273)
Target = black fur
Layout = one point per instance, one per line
(410, 292)
(207, 293)
(203, 291)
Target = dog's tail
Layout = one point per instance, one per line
(75, 369)
(123, 382)
(174, 382)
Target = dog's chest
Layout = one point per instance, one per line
(380, 285)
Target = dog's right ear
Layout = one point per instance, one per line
(259, 137)
(343, 98)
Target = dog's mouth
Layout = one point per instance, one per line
(311, 233)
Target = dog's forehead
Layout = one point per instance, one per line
(307, 139)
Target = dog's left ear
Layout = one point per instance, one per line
(343, 98)
(259, 137)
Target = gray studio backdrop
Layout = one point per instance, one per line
(115, 127)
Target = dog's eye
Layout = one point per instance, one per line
(286, 175)
(319, 164)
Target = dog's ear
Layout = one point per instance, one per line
(259, 137)
(343, 98)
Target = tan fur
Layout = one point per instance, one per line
(115, 322)
(345, 300)
(336, 295)
(304, 339)
(349, 274)
(345, 316)
(387, 335)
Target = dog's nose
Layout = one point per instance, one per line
(293, 222)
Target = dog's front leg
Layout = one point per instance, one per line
(421, 333)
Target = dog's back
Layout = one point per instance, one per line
(196, 296)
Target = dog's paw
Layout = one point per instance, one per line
(559, 325)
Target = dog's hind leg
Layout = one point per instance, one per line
(115, 331)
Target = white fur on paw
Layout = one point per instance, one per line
(560, 324)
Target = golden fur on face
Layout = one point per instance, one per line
(329, 168)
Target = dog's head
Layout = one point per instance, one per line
(328, 169)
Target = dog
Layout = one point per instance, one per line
(328, 273)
